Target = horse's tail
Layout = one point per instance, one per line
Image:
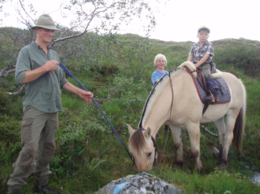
(239, 128)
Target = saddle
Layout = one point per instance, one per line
(200, 77)
(211, 86)
(200, 83)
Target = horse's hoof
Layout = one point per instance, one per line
(222, 167)
(180, 163)
(199, 169)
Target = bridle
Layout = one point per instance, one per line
(153, 140)
(155, 154)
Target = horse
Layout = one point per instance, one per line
(175, 99)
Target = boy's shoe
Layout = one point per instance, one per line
(45, 189)
(216, 99)
(16, 189)
(208, 99)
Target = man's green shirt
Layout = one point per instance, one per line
(44, 92)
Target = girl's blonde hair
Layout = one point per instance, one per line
(159, 56)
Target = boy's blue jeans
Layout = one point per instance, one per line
(205, 69)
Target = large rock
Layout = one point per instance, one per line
(142, 183)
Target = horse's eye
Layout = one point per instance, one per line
(149, 154)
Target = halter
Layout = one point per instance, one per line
(155, 154)
(156, 151)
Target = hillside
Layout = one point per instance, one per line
(117, 69)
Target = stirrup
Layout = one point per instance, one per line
(209, 98)
(212, 96)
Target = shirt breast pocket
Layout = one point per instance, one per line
(37, 63)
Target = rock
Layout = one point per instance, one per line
(142, 183)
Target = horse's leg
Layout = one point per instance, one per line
(176, 133)
(194, 135)
(226, 135)
(221, 126)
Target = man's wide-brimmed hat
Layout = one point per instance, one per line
(204, 28)
(45, 21)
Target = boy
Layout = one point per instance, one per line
(201, 54)
(159, 62)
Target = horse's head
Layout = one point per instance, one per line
(143, 148)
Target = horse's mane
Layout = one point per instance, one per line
(154, 93)
(137, 140)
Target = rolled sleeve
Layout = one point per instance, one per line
(210, 50)
(19, 78)
(191, 51)
(22, 65)
(63, 82)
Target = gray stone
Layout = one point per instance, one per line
(142, 183)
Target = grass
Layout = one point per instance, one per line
(215, 182)
(89, 155)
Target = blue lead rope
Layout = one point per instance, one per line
(71, 75)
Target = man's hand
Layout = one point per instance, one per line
(51, 65)
(87, 96)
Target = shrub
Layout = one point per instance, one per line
(108, 69)
(243, 56)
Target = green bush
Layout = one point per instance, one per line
(5, 101)
(240, 55)
(106, 70)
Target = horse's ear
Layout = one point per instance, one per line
(148, 132)
(131, 131)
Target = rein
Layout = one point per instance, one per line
(71, 75)
(153, 140)
(168, 125)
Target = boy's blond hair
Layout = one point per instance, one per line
(159, 56)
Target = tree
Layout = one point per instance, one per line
(99, 16)
(1, 4)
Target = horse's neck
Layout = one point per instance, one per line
(161, 107)
(154, 125)
(160, 110)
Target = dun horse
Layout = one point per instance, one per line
(182, 109)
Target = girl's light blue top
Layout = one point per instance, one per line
(157, 75)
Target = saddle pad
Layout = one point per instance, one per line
(224, 94)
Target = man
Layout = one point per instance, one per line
(38, 68)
